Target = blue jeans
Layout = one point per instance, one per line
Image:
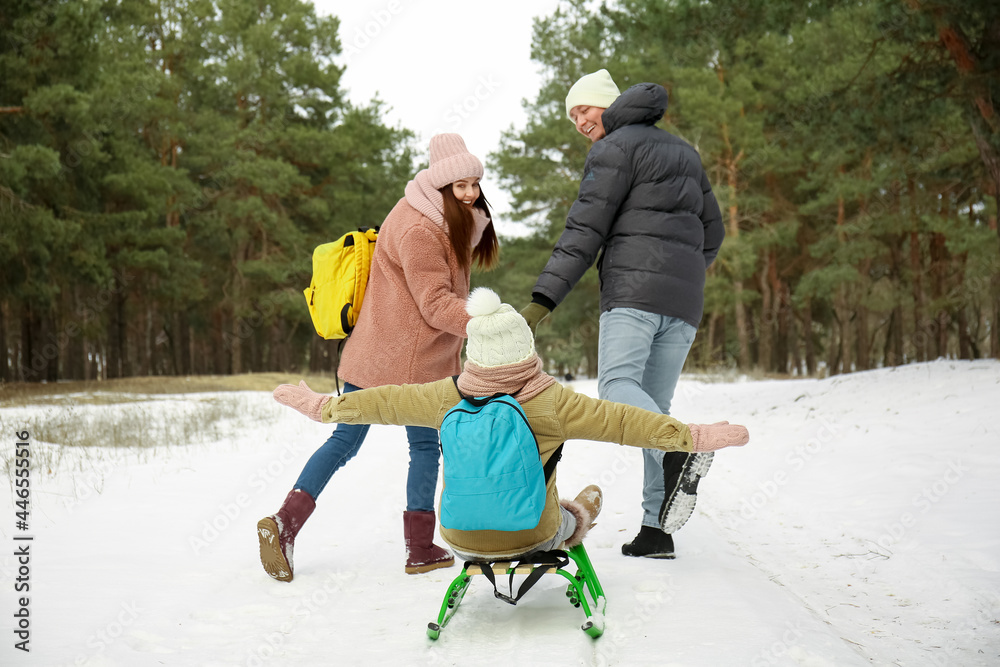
(425, 455)
(640, 357)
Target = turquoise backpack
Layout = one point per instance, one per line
(493, 474)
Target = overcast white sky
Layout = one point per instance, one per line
(443, 66)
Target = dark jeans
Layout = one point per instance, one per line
(425, 455)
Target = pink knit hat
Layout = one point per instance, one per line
(451, 161)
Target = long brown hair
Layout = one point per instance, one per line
(460, 223)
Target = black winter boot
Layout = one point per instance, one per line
(681, 472)
(650, 543)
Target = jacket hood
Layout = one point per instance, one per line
(642, 104)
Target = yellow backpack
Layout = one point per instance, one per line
(340, 276)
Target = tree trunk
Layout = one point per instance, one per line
(591, 345)
(730, 164)
(972, 62)
(275, 349)
(784, 328)
(989, 152)
(916, 271)
(183, 338)
(841, 302)
(764, 328)
(894, 336)
(145, 363)
(794, 335)
(115, 365)
(939, 269)
(87, 363)
(807, 339)
(314, 354)
(700, 350)
(862, 334)
(49, 348)
(842, 308)
(24, 370)
(995, 331)
(234, 347)
(220, 356)
(964, 340)
(74, 367)
(34, 367)
(202, 355)
(716, 348)
(862, 331)
(5, 352)
(835, 346)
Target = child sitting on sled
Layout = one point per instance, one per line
(501, 358)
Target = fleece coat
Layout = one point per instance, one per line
(412, 323)
(556, 415)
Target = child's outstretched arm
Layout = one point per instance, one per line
(303, 399)
(710, 437)
(594, 419)
(403, 405)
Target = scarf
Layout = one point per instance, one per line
(424, 197)
(526, 378)
(480, 220)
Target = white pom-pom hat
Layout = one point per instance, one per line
(498, 335)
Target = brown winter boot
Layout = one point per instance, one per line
(422, 555)
(277, 533)
(591, 498)
(585, 507)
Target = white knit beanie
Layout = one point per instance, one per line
(498, 335)
(593, 90)
(450, 161)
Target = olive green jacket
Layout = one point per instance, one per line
(556, 415)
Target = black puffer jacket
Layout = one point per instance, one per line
(644, 199)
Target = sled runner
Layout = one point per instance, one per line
(584, 588)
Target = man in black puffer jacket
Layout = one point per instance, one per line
(646, 206)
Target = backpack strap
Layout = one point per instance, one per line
(336, 377)
(344, 324)
(543, 561)
(478, 402)
(550, 465)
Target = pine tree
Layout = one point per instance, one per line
(850, 209)
(175, 190)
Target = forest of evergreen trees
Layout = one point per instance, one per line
(167, 167)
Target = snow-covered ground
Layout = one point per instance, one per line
(860, 526)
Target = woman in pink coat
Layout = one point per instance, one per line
(410, 331)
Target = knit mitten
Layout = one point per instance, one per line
(303, 399)
(710, 437)
(533, 314)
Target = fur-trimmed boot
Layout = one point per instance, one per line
(277, 533)
(422, 555)
(585, 507)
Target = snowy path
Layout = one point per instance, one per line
(859, 527)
